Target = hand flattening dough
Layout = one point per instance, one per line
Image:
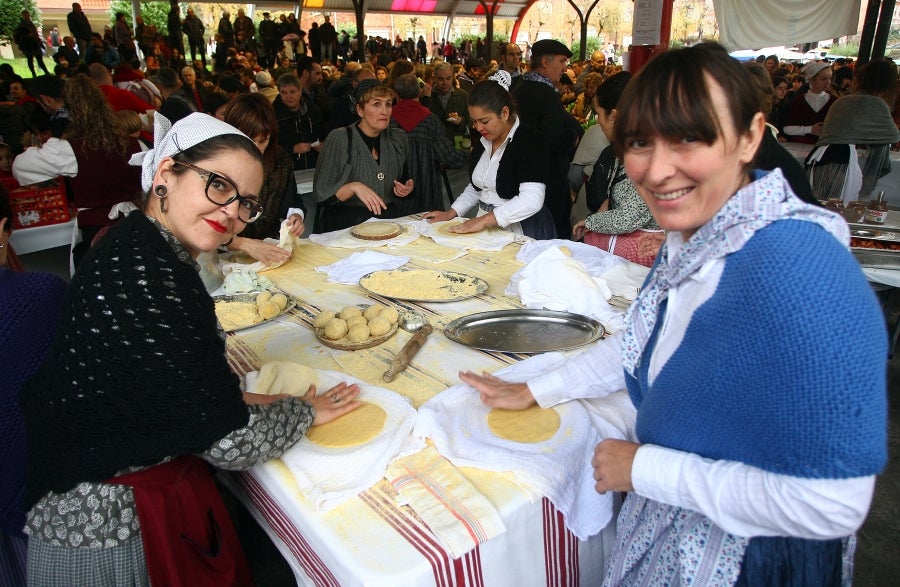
(534, 424)
(358, 427)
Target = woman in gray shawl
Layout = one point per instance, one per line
(858, 129)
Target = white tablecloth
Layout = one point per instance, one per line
(371, 539)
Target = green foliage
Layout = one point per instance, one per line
(155, 13)
(498, 38)
(848, 50)
(593, 44)
(11, 14)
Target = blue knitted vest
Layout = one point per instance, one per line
(783, 368)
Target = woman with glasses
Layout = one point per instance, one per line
(136, 398)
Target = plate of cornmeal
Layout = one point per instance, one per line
(354, 327)
(376, 231)
(247, 310)
(423, 285)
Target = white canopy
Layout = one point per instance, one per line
(757, 23)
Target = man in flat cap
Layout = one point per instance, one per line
(540, 107)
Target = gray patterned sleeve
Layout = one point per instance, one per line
(272, 429)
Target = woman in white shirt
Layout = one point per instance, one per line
(507, 168)
(752, 459)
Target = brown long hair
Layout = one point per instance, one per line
(93, 121)
(254, 115)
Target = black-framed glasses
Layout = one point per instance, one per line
(222, 191)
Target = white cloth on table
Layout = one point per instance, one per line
(342, 238)
(596, 261)
(486, 240)
(330, 476)
(459, 515)
(350, 269)
(558, 468)
(555, 281)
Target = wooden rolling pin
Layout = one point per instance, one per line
(406, 354)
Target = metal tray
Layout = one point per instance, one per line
(524, 331)
(877, 258)
(449, 277)
(251, 298)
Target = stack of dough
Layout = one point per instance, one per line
(355, 324)
(237, 315)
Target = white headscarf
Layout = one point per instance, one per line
(171, 139)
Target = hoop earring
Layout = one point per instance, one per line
(161, 192)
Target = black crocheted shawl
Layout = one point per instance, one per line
(137, 370)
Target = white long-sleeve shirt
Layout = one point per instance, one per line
(741, 499)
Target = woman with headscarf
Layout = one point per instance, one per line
(136, 398)
(806, 114)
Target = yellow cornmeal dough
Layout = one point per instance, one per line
(279, 300)
(358, 427)
(336, 328)
(235, 315)
(268, 310)
(419, 284)
(534, 424)
(263, 298)
(375, 229)
(444, 229)
(351, 322)
(390, 314)
(358, 332)
(372, 311)
(349, 312)
(323, 318)
(379, 325)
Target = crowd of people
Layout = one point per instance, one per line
(759, 462)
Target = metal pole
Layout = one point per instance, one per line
(883, 29)
(868, 32)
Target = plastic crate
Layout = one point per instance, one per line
(39, 204)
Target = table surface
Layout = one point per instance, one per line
(370, 539)
(39, 238)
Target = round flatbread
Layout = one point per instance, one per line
(534, 424)
(358, 427)
(444, 229)
(376, 230)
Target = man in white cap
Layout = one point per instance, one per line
(266, 86)
(540, 106)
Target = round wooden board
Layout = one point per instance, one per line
(344, 344)
(376, 231)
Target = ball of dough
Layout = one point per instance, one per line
(336, 328)
(268, 310)
(390, 314)
(359, 333)
(279, 300)
(351, 322)
(372, 311)
(349, 312)
(263, 298)
(379, 325)
(323, 319)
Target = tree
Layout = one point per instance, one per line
(155, 13)
(489, 11)
(11, 14)
(583, 11)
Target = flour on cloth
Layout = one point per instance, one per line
(342, 239)
(492, 239)
(330, 476)
(558, 468)
(349, 270)
(459, 515)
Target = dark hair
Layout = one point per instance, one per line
(213, 102)
(407, 86)
(763, 83)
(304, 63)
(670, 97)
(878, 78)
(780, 79)
(610, 91)
(47, 85)
(399, 68)
(254, 115)
(167, 78)
(842, 73)
(491, 96)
